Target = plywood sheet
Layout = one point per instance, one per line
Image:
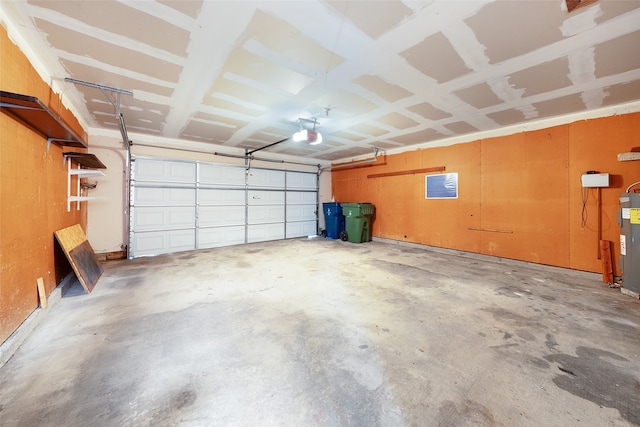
(83, 259)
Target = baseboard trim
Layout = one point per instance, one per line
(490, 258)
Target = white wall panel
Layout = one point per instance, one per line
(220, 175)
(210, 216)
(220, 236)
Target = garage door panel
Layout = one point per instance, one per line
(301, 212)
(301, 180)
(301, 229)
(181, 205)
(164, 171)
(219, 175)
(265, 232)
(208, 196)
(158, 218)
(155, 196)
(162, 242)
(220, 236)
(209, 216)
(257, 197)
(265, 214)
(266, 178)
(301, 198)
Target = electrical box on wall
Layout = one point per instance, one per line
(595, 179)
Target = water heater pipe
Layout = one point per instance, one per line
(631, 186)
(599, 208)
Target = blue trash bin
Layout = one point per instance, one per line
(333, 218)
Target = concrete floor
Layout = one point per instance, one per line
(330, 333)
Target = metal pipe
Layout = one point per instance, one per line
(599, 208)
(175, 149)
(631, 186)
(233, 156)
(283, 161)
(127, 204)
(123, 131)
(97, 86)
(490, 230)
(115, 103)
(261, 159)
(267, 146)
(360, 162)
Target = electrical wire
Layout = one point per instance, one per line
(585, 212)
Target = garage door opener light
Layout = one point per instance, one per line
(310, 136)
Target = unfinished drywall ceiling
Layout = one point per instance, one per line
(386, 74)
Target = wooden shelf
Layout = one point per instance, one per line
(31, 112)
(85, 160)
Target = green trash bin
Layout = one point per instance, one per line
(358, 221)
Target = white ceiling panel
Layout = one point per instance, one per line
(386, 74)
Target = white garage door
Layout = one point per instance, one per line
(181, 205)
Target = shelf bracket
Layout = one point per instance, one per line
(18, 106)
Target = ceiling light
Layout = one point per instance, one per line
(300, 136)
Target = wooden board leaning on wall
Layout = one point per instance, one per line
(80, 254)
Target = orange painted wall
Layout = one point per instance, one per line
(520, 196)
(33, 189)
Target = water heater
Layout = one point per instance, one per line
(629, 222)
